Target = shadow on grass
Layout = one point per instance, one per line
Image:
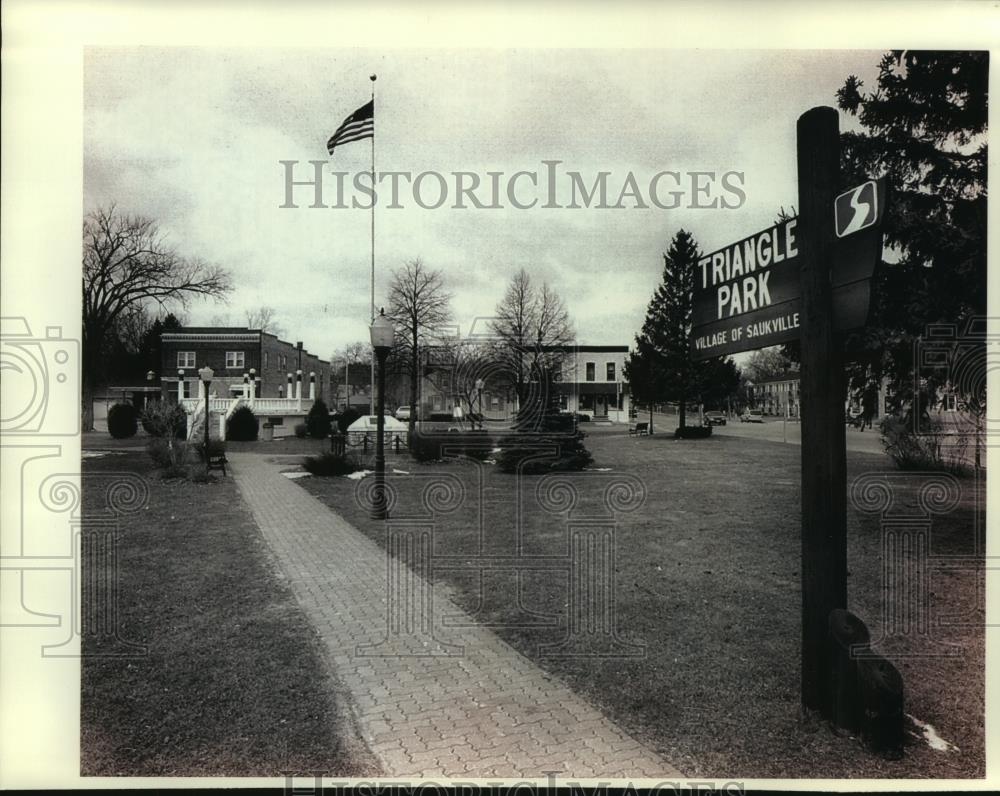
(234, 681)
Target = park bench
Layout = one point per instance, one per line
(638, 429)
(216, 459)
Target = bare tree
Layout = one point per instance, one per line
(127, 264)
(532, 330)
(467, 365)
(266, 319)
(343, 361)
(420, 307)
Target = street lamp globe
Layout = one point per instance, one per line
(480, 384)
(206, 374)
(150, 375)
(382, 333)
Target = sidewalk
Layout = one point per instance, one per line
(485, 711)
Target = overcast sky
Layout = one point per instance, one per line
(193, 138)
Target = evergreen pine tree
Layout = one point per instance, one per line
(661, 367)
(318, 420)
(924, 127)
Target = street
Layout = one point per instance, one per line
(772, 430)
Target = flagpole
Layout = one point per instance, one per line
(372, 392)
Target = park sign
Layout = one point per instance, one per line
(747, 294)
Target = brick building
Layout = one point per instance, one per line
(232, 352)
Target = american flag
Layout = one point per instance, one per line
(360, 124)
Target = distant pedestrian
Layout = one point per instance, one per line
(868, 399)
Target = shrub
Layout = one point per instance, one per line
(347, 417)
(199, 474)
(536, 453)
(170, 454)
(913, 450)
(165, 419)
(330, 464)
(548, 440)
(123, 421)
(242, 425)
(300, 430)
(692, 432)
(434, 447)
(216, 447)
(318, 421)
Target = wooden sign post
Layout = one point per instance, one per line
(824, 444)
(806, 278)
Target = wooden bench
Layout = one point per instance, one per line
(639, 429)
(217, 461)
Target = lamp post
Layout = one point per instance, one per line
(150, 376)
(381, 335)
(479, 395)
(206, 374)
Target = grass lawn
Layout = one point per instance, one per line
(708, 579)
(234, 681)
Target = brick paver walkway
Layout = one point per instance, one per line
(487, 711)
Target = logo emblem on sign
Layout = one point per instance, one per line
(856, 209)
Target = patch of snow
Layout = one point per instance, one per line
(489, 461)
(399, 472)
(495, 450)
(98, 454)
(598, 469)
(359, 475)
(934, 741)
(296, 474)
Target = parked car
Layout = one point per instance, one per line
(715, 418)
(751, 416)
(403, 413)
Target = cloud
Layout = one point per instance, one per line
(193, 137)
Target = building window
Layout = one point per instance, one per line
(611, 371)
(234, 359)
(591, 368)
(265, 361)
(185, 359)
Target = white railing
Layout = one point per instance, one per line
(276, 406)
(260, 406)
(233, 406)
(198, 404)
